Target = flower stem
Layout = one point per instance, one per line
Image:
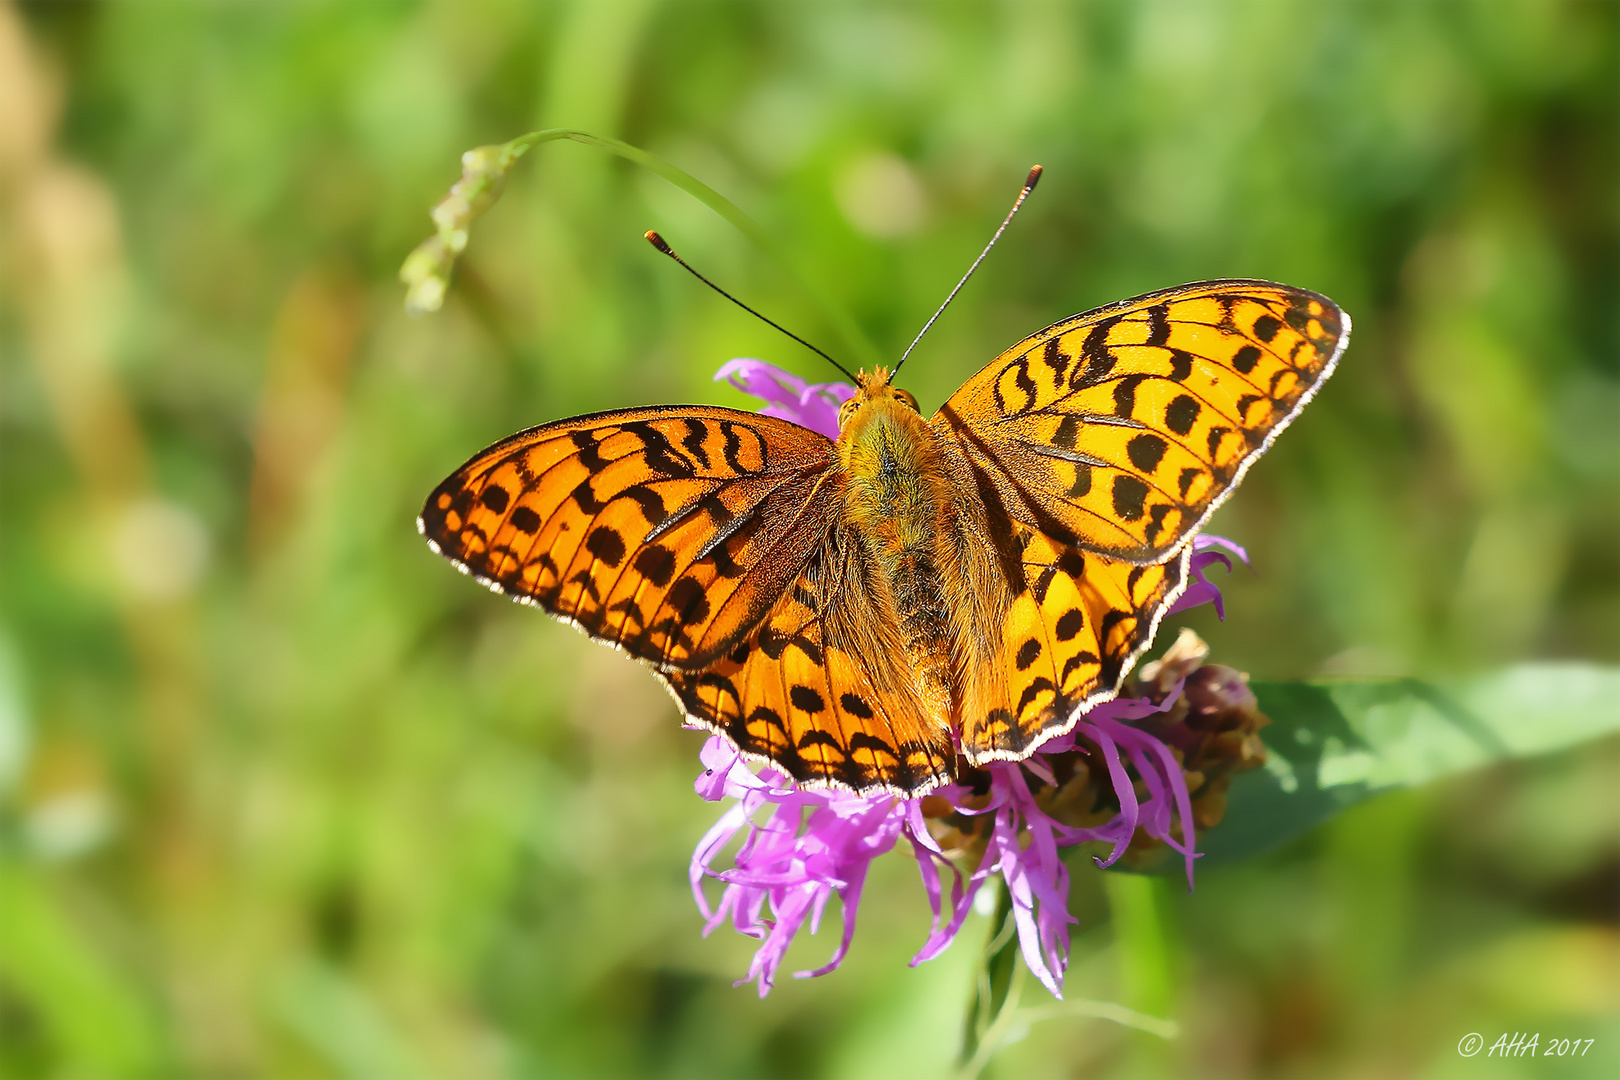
(993, 1014)
(993, 1000)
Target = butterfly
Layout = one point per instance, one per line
(870, 612)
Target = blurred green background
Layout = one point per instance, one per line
(282, 795)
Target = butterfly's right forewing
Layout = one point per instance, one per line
(669, 532)
(822, 689)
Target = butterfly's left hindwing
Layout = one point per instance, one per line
(1121, 430)
(669, 532)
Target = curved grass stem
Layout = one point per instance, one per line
(426, 271)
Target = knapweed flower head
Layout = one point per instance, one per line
(1134, 777)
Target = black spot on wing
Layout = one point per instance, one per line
(587, 585)
(687, 600)
(1028, 653)
(1182, 413)
(806, 699)
(772, 642)
(525, 521)
(1156, 519)
(1041, 584)
(762, 715)
(656, 563)
(496, 498)
(856, 706)
(606, 544)
(1130, 493)
(585, 496)
(732, 435)
(632, 614)
(545, 562)
(1245, 359)
(1079, 659)
(724, 565)
(1146, 451)
(1111, 619)
(1266, 327)
(1024, 382)
(719, 513)
(1244, 403)
(862, 740)
(1068, 431)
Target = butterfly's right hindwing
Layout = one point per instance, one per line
(822, 689)
(669, 532)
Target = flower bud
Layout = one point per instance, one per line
(1218, 698)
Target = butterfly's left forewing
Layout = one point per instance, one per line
(1097, 449)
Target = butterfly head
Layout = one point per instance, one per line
(871, 389)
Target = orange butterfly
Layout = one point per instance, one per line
(860, 612)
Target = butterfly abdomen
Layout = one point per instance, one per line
(897, 498)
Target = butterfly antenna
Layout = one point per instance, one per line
(662, 245)
(1029, 185)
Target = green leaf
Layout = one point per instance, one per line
(94, 1019)
(1334, 743)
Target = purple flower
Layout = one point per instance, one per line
(813, 405)
(1108, 781)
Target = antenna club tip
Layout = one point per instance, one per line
(657, 241)
(1033, 178)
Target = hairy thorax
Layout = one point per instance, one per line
(898, 502)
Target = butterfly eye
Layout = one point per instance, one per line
(905, 396)
(846, 410)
